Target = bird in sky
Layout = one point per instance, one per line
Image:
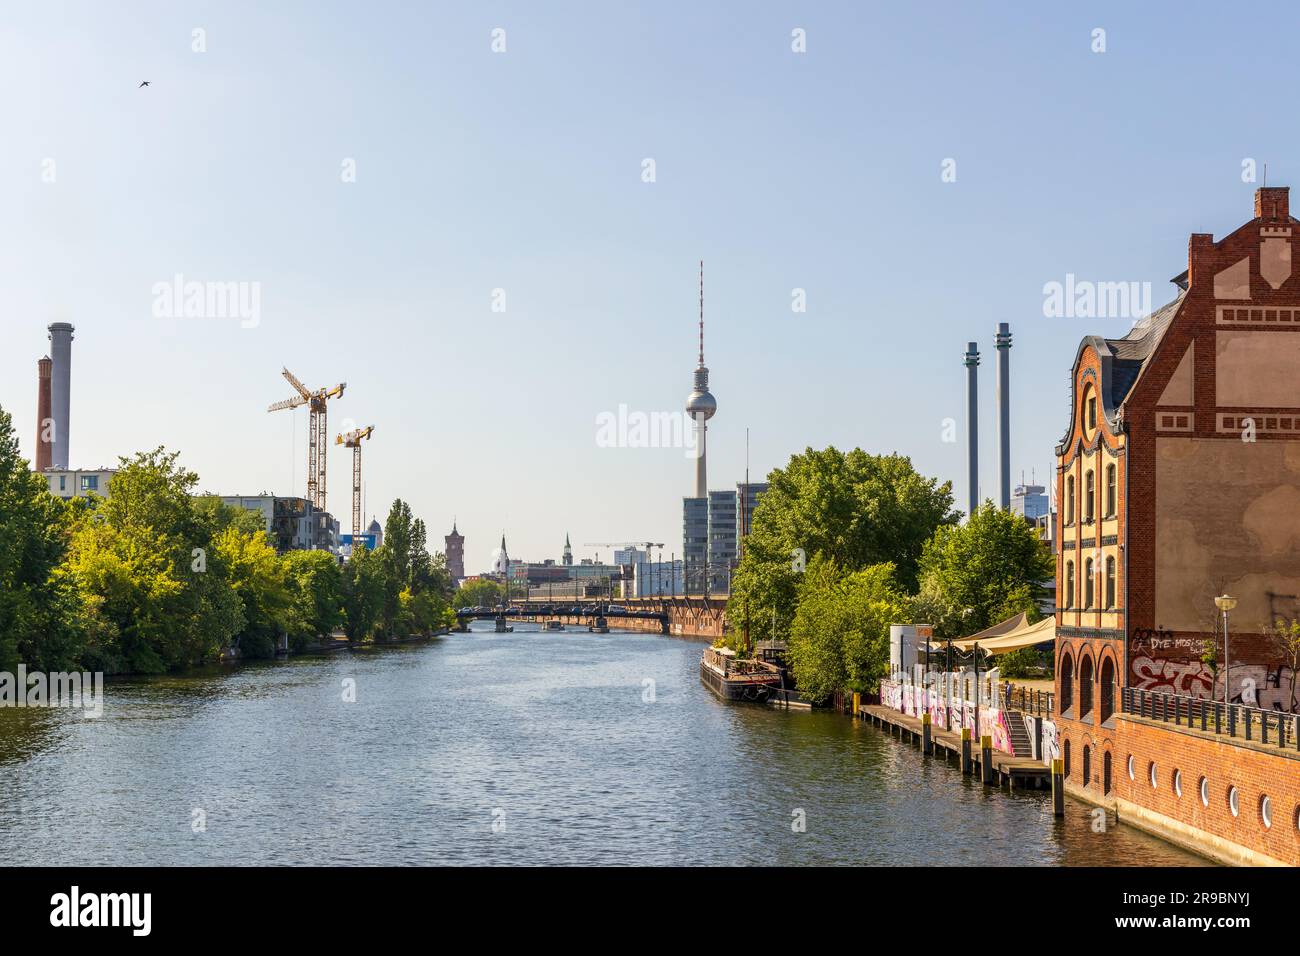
(143, 83)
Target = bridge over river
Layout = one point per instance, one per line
(682, 615)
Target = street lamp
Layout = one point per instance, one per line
(1225, 604)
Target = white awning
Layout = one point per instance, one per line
(1000, 640)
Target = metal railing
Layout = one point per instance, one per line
(1027, 700)
(1269, 727)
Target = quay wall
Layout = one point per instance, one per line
(1182, 758)
(1174, 808)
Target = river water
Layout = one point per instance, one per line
(483, 748)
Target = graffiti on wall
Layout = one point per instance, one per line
(1051, 750)
(1255, 685)
(1193, 678)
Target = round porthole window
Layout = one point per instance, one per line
(1130, 766)
(1178, 782)
(1234, 801)
(1266, 811)
(1205, 792)
(1151, 775)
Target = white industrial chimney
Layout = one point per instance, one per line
(60, 390)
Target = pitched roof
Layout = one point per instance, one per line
(1131, 353)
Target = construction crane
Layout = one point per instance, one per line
(353, 440)
(317, 433)
(624, 544)
(656, 569)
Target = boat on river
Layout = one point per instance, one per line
(735, 678)
(552, 626)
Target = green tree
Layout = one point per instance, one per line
(482, 592)
(38, 609)
(982, 572)
(261, 581)
(855, 509)
(316, 590)
(363, 592)
(840, 636)
(155, 593)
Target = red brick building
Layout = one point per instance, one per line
(1178, 480)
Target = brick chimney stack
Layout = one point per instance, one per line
(1271, 202)
(44, 436)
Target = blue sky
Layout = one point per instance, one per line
(522, 171)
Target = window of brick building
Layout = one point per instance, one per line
(1205, 792)
(1107, 681)
(1069, 584)
(1085, 686)
(1090, 489)
(1266, 811)
(1151, 775)
(1110, 583)
(1111, 490)
(1234, 801)
(1088, 586)
(1069, 500)
(1067, 682)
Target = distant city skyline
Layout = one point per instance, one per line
(468, 238)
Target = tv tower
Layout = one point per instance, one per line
(701, 406)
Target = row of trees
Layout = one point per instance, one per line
(844, 544)
(153, 578)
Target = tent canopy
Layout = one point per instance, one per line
(1010, 635)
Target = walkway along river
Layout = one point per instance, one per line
(530, 747)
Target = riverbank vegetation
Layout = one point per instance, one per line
(154, 578)
(844, 544)
(482, 592)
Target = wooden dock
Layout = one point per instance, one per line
(1010, 771)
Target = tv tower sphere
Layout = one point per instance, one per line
(700, 401)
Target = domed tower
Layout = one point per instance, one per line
(701, 406)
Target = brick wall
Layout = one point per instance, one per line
(1255, 771)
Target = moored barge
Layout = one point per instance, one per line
(735, 678)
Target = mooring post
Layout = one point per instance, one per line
(927, 743)
(986, 759)
(1058, 788)
(965, 751)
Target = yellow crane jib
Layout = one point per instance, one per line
(317, 431)
(353, 440)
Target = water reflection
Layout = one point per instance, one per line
(524, 748)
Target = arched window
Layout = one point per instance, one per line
(1067, 681)
(1110, 491)
(1069, 584)
(1085, 686)
(1105, 772)
(1088, 586)
(1090, 489)
(1110, 582)
(1069, 500)
(1087, 765)
(1065, 759)
(1107, 681)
